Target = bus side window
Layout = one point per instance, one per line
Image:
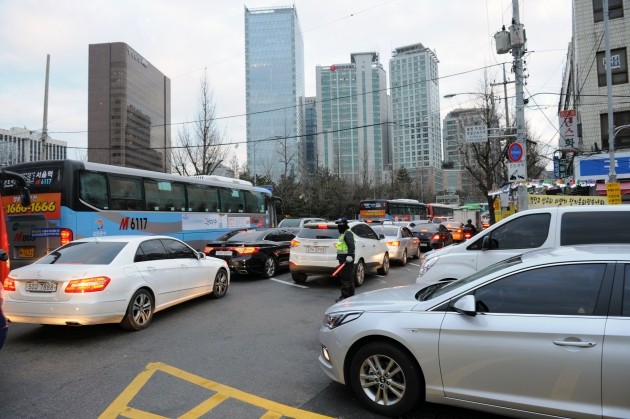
(93, 189)
(202, 198)
(126, 193)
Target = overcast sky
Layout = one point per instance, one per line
(185, 38)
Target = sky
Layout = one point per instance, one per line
(186, 39)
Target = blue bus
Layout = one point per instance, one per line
(74, 199)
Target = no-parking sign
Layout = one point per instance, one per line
(515, 152)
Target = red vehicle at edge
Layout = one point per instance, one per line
(5, 266)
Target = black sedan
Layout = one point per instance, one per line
(257, 251)
(432, 236)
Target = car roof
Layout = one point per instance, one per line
(590, 252)
(124, 238)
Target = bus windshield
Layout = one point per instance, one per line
(73, 199)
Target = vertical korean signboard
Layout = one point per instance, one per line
(568, 130)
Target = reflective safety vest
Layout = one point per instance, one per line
(342, 247)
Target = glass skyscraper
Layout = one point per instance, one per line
(274, 78)
(416, 144)
(352, 116)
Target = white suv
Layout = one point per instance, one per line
(313, 251)
(299, 222)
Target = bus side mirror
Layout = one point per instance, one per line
(25, 197)
(3, 256)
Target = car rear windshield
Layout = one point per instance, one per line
(595, 227)
(84, 253)
(290, 222)
(329, 232)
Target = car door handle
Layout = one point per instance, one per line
(575, 344)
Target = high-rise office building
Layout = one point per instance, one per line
(352, 116)
(415, 94)
(274, 89)
(455, 178)
(308, 145)
(129, 109)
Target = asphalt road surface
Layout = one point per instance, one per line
(247, 355)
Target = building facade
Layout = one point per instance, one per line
(129, 109)
(584, 85)
(274, 90)
(20, 145)
(415, 95)
(352, 118)
(455, 178)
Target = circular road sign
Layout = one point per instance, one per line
(515, 152)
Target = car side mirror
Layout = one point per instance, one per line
(201, 255)
(381, 236)
(466, 306)
(489, 243)
(3, 255)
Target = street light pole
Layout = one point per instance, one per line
(612, 175)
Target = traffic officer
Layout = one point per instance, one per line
(345, 254)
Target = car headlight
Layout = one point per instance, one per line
(427, 264)
(332, 320)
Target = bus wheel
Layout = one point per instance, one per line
(139, 312)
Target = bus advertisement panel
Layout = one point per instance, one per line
(392, 209)
(73, 199)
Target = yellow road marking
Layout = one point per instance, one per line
(120, 406)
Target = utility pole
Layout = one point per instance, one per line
(44, 152)
(514, 41)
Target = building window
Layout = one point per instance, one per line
(622, 139)
(615, 9)
(619, 67)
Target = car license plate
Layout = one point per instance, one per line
(36, 286)
(424, 244)
(315, 249)
(223, 253)
(26, 251)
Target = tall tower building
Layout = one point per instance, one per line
(274, 84)
(352, 116)
(308, 147)
(129, 109)
(415, 92)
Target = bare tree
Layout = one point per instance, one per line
(201, 148)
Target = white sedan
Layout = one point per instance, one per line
(114, 279)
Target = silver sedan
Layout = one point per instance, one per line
(401, 243)
(542, 334)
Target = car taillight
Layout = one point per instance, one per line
(87, 285)
(245, 250)
(66, 236)
(459, 230)
(322, 226)
(436, 237)
(9, 284)
(394, 243)
(295, 243)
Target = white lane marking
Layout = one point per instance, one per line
(288, 283)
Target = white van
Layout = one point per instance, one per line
(525, 231)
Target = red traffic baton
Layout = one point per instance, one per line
(339, 268)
